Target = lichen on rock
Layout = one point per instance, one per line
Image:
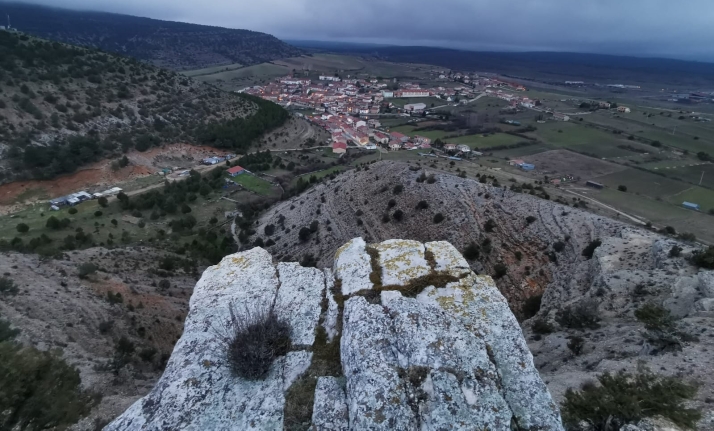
(451, 356)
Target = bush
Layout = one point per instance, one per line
(422, 205)
(655, 317)
(489, 226)
(103, 201)
(72, 211)
(8, 287)
(576, 344)
(22, 228)
(391, 204)
(472, 251)
(53, 223)
(164, 284)
(579, 316)
(185, 209)
(559, 246)
(499, 270)
(542, 326)
(39, 390)
(625, 398)
(530, 219)
(438, 218)
(675, 251)
(704, 258)
(590, 249)
(622, 188)
(304, 234)
(97, 213)
(398, 215)
(260, 337)
(86, 269)
(398, 189)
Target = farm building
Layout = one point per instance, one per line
(527, 166)
(560, 117)
(594, 185)
(415, 107)
(235, 171)
(516, 162)
(623, 109)
(339, 147)
(211, 161)
(463, 148)
(691, 206)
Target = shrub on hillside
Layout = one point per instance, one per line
(499, 270)
(39, 390)
(398, 215)
(625, 398)
(8, 287)
(675, 251)
(489, 226)
(542, 327)
(576, 344)
(422, 205)
(583, 315)
(654, 317)
(22, 228)
(472, 251)
(398, 189)
(530, 219)
(438, 218)
(259, 337)
(86, 269)
(704, 258)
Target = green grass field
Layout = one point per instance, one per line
(660, 213)
(479, 141)
(582, 139)
(410, 131)
(253, 183)
(698, 195)
(212, 70)
(693, 174)
(642, 182)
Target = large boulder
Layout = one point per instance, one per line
(424, 343)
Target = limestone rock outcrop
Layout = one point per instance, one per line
(424, 344)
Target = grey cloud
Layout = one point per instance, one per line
(640, 27)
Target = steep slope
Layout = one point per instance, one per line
(174, 45)
(450, 357)
(532, 247)
(117, 325)
(494, 219)
(63, 106)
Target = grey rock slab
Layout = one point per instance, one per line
(329, 412)
(353, 266)
(299, 300)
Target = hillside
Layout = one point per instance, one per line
(537, 252)
(62, 107)
(173, 45)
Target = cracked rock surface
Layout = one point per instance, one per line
(448, 355)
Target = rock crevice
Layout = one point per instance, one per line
(448, 355)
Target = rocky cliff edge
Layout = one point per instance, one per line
(421, 342)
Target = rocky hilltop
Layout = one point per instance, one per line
(397, 335)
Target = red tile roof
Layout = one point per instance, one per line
(235, 170)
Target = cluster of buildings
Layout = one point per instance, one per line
(366, 98)
(217, 159)
(78, 197)
(521, 164)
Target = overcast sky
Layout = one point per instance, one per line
(672, 28)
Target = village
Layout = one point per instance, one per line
(352, 109)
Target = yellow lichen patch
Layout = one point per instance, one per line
(239, 261)
(341, 249)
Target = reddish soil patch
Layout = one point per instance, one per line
(100, 175)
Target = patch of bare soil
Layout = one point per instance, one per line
(564, 162)
(101, 175)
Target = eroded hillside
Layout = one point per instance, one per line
(525, 242)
